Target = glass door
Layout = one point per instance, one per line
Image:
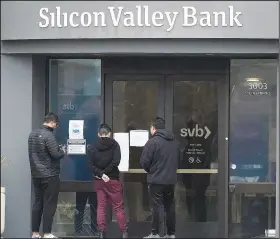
(197, 106)
(135, 101)
(195, 109)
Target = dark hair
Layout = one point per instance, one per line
(51, 117)
(104, 129)
(158, 123)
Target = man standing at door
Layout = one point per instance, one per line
(44, 158)
(160, 159)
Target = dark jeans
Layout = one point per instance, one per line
(46, 192)
(81, 200)
(110, 192)
(162, 196)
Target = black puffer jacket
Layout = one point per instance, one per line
(105, 157)
(44, 153)
(160, 158)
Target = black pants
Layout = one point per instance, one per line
(81, 201)
(46, 192)
(162, 196)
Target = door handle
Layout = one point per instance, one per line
(232, 188)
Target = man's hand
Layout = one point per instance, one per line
(63, 147)
(105, 178)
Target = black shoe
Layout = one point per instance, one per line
(125, 235)
(102, 235)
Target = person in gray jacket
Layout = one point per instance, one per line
(44, 158)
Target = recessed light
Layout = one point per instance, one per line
(252, 79)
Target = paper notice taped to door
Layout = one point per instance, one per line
(76, 146)
(76, 129)
(123, 140)
(138, 138)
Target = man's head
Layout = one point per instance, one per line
(104, 131)
(51, 120)
(156, 124)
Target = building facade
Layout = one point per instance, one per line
(208, 68)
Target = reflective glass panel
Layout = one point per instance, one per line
(75, 94)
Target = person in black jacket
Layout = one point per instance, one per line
(44, 158)
(104, 159)
(160, 159)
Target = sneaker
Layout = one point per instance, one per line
(49, 235)
(102, 235)
(169, 236)
(124, 235)
(152, 236)
(36, 236)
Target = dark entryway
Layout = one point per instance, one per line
(191, 95)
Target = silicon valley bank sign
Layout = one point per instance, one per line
(141, 17)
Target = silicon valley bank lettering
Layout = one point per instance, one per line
(141, 17)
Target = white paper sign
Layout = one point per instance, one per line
(76, 129)
(139, 138)
(123, 140)
(76, 146)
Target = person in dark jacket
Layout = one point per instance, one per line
(104, 159)
(160, 159)
(44, 158)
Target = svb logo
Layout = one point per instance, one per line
(196, 132)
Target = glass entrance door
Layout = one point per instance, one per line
(192, 109)
(135, 101)
(198, 123)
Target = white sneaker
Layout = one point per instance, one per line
(49, 235)
(169, 236)
(152, 236)
(36, 236)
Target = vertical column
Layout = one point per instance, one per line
(277, 223)
(16, 121)
(39, 75)
(277, 219)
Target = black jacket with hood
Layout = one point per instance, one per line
(105, 157)
(160, 158)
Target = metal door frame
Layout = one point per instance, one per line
(166, 90)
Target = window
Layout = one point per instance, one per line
(76, 214)
(75, 94)
(252, 151)
(253, 120)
